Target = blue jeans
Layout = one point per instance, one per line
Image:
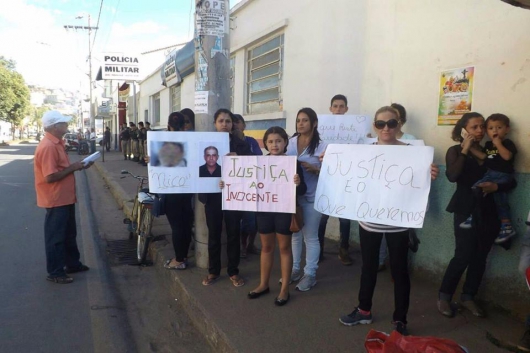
(60, 232)
(310, 234)
(501, 198)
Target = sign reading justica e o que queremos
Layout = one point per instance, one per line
(119, 66)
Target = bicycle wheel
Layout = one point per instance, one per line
(134, 218)
(144, 234)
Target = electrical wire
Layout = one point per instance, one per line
(97, 25)
(189, 18)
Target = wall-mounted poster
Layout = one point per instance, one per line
(456, 94)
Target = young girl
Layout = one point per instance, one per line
(275, 225)
(272, 225)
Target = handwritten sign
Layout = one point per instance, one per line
(374, 183)
(259, 183)
(343, 128)
(371, 140)
(185, 162)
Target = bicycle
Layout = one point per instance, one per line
(141, 220)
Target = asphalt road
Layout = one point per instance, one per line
(37, 315)
(111, 308)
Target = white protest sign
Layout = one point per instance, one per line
(372, 140)
(376, 183)
(259, 183)
(343, 128)
(185, 162)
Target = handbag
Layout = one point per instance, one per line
(297, 220)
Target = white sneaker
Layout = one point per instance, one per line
(306, 283)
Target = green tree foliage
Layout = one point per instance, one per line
(14, 93)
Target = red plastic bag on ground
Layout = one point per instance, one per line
(380, 342)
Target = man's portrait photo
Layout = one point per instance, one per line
(210, 169)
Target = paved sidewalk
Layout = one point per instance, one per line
(309, 322)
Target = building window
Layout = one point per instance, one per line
(156, 109)
(146, 115)
(232, 81)
(265, 66)
(175, 98)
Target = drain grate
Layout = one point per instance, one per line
(122, 252)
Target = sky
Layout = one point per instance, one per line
(47, 54)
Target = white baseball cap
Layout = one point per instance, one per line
(53, 117)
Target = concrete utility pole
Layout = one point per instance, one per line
(92, 115)
(212, 86)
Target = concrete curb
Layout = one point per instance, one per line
(200, 318)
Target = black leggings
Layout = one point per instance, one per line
(398, 248)
(180, 217)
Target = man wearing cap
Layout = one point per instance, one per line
(55, 187)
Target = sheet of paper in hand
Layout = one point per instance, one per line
(259, 183)
(343, 128)
(185, 162)
(374, 183)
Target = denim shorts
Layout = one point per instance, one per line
(274, 222)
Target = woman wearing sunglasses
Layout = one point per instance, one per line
(386, 124)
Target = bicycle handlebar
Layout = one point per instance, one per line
(134, 176)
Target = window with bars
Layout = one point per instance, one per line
(265, 66)
(156, 108)
(175, 98)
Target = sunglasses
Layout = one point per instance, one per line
(380, 124)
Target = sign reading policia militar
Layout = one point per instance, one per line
(118, 66)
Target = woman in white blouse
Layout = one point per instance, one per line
(307, 146)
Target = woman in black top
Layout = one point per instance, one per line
(472, 245)
(179, 212)
(214, 214)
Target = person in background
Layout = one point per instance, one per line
(386, 122)
(248, 224)
(307, 146)
(134, 141)
(473, 245)
(147, 125)
(55, 188)
(87, 134)
(498, 156)
(125, 137)
(338, 106)
(189, 122)
(106, 138)
(92, 134)
(383, 252)
(214, 214)
(179, 212)
(141, 142)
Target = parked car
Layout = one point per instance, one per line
(99, 140)
(71, 143)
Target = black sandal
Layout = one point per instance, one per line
(81, 268)
(60, 280)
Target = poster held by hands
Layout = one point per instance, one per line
(185, 162)
(259, 183)
(376, 183)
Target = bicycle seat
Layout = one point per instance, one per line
(145, 198)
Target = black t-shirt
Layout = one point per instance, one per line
(204, 173)
(494, 160)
